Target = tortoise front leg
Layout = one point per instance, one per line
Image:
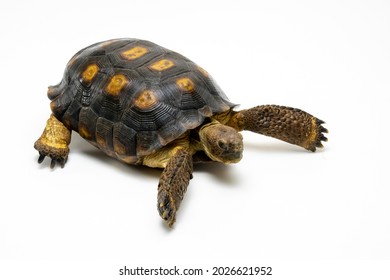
(173, 184)
(54, 142)
(285, 123)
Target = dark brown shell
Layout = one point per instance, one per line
(131, 97)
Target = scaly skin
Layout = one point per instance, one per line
(54, 142)
(173, 184)
(285, 123)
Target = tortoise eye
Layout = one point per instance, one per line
(223, 145)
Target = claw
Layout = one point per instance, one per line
(52, 163)
(319, 145)
(54, 160)
(165, 214)
(41, 158)
(166, 209)
(320, 135)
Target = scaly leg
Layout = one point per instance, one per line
(173, 184)
(285, 123)
(54, 142)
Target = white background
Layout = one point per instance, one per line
(307, 214)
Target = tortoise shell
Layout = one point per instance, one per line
(131, 97)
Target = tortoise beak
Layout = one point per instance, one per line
(231, 148)
(54, 91)
(232, 157)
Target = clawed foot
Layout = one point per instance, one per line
(54, 142)
(54, 160)
(317, 135)
(166, 208)
(288, 124)
(57, 155)
(173, 184)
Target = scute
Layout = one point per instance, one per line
(130, 97)
(150, 120)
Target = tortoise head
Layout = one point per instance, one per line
(221, 143)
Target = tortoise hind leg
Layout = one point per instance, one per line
(173, 184)
(285, 123)
(54, 142)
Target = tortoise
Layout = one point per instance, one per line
(146, 105)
